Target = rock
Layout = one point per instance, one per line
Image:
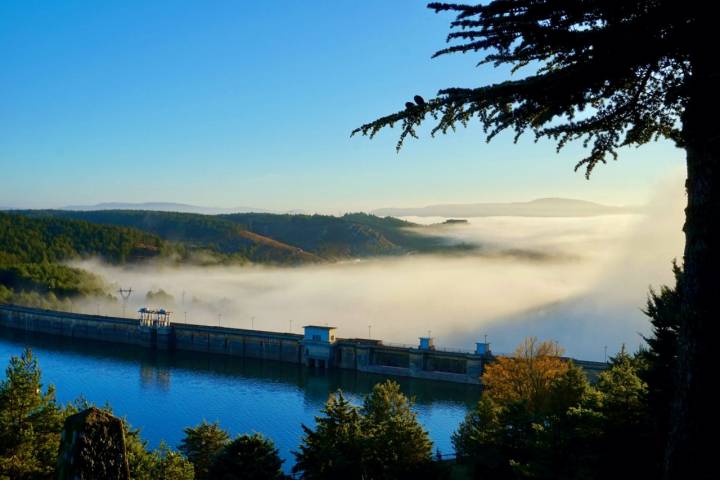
(92, 446)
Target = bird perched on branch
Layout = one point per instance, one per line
(419, 102)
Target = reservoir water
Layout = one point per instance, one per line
(162, 392)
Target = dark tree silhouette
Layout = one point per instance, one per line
(660, 359)
(609, 73)
(248, 457)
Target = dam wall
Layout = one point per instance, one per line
(282, 347)
(317, 347)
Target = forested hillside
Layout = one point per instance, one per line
(36, 244)
(48, 239)
(196, 232)
(32, 251)
(269, 238)
(352, 235)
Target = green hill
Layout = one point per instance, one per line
(48, 239)
(326, 236)
(32, 249)
(268, 238)
(35, 244)
(349, 236)
(200, 235)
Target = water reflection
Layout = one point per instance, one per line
(163, 392)
(154, 376)
(156, 367)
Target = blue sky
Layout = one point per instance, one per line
(227, 103)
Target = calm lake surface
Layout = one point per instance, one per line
(161, 392)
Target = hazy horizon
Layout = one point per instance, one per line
(180, 103)
(161, 205)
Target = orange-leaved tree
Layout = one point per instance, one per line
(526, 376)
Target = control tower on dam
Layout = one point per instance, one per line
(318, 346)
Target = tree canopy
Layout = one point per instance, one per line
(584, 82)
(30, 421)
(382, 439)
(582, 430)
(528, 375)
(610, 74)
(248, 457)
(201, 444)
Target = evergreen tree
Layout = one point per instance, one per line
(334, 449)
(571, 389)
(248, 457)
(381, 440)
(660, 358)
(583, 431)
(397, 445)
(628, 436)
(476, 440)
(30, 421)
(622, 388)
(141, 461)
(610, 74)
(202, 444)
(170, 465)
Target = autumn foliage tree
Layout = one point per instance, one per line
(526, 376)
(541, 420)
(609, 74)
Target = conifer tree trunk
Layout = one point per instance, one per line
(694, 424)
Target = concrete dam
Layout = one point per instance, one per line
(318, 347)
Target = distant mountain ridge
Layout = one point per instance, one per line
(162, 207)
(542, 207)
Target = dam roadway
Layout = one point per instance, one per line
(318, 347)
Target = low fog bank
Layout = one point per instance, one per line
(585, 290)
(608, 311)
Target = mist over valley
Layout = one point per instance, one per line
(577, 280)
